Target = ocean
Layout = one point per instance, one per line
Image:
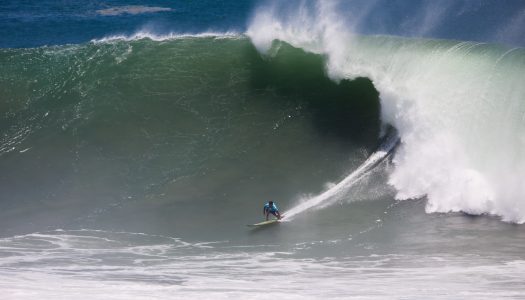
(139, 138)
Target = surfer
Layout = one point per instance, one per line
(271, 208)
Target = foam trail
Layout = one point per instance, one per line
(331, 195)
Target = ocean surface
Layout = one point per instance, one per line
(139, 138)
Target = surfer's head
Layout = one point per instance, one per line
(270, 202)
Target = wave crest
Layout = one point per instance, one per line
(145, 34)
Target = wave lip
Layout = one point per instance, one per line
(143, 34)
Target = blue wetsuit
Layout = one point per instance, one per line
(271, 209)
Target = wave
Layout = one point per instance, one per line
(131, 123)
(458, 106)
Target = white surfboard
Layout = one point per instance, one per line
(264, 223)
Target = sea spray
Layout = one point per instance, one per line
(458, 107)
(336, 191)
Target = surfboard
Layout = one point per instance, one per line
(264, 223)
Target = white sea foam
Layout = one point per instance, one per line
(121, 265)
(458, 107)
(151, 35)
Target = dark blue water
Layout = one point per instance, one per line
(52, 22)
(48, 22)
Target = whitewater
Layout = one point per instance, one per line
(458, 107)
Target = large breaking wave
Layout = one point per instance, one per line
(458, 106)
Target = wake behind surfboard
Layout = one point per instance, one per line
(269, 222)
(263, 223)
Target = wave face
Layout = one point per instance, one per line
(132, 133)
(458, 107)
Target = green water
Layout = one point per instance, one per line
(149, 135)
